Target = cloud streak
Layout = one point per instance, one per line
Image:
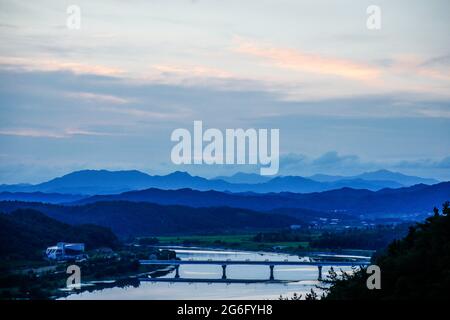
(95, 97)
(296, 60)
(39, 64)
(38, 133)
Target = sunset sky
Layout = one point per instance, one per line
(107, 96)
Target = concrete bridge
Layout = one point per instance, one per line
(270, 264)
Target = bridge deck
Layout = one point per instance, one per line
(250, 262)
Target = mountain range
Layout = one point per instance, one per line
(185, 211)
(179, 203)
(382, 176)
(97, 182)
(408, 200)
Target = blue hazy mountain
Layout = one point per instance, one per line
(379, 175)
(96, 181)
(25, 187)
(92, 182)
(326, 177)
(396, 176)
(40, 197)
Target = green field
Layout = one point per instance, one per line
(236, 241)
(247, 242)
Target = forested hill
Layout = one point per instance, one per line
(416, 267)
(131, 219)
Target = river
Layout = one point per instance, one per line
(304, 278)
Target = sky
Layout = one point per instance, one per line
(345, 98)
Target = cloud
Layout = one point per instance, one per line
(95, 97)
(415, 66)
(313, 76)
(439, 61)
(31, 133)
(39, 64)
(147, 114)
(296, 60)
(293, 159)
(425, 163)
(332, 158)
(38, 133)
(140, 116)
(191, 71)
(330, 162)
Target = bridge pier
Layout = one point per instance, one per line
(224, 271)
(177, 271)
(271, 272)
(320, 273)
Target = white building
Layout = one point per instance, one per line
(66, 251)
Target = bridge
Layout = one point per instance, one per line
(271, 264)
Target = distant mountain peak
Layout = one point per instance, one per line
(382, 172)
(179, 174)
(102, 172)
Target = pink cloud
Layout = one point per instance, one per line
(305, 62)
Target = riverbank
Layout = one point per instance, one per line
(246, 242)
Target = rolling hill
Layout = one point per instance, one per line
(25, 233)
